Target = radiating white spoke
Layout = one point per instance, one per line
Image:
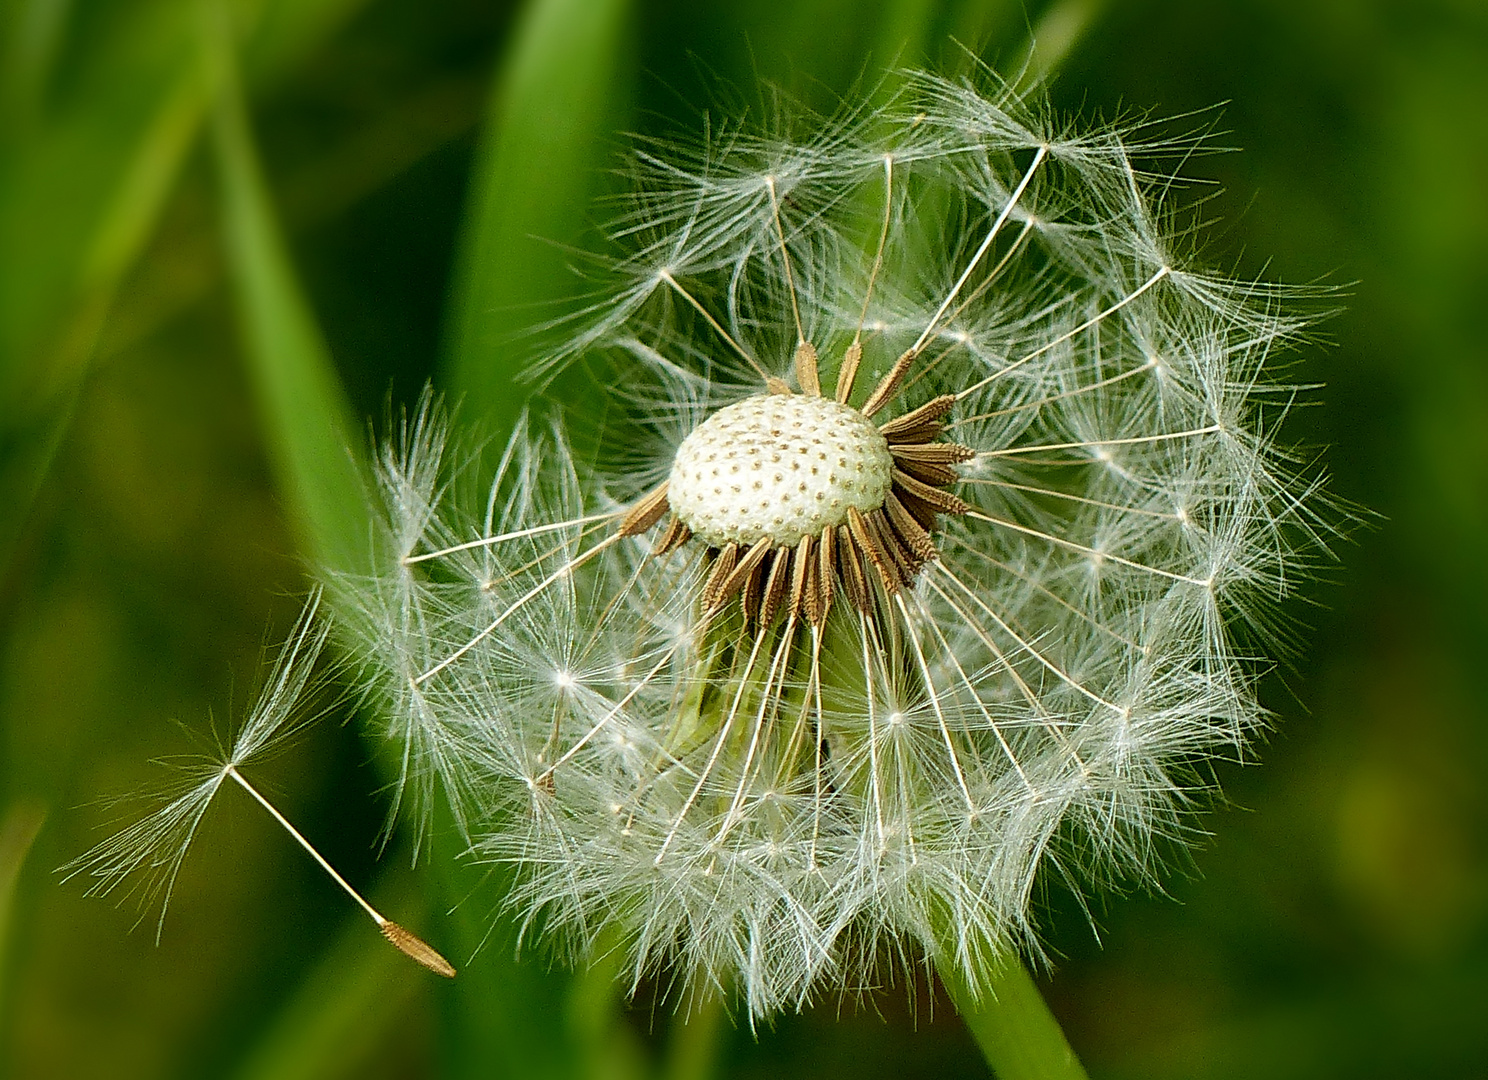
(603, 621)
(1048, 722)
(1094, 320)
(516, 605)
(786, 763)
(991, 278)
(903, 819)
(1092, 552)
(1035, 703)
(986, 243)
(619, 706)
(231, 770)
(970, 298)
(1023, 644)
(883, 240)
(790, 277)
(516, 571)
(971, 689)
(519, 534)
(714, 323)
(1167, 436)
(1052, 493)
(945, 732)
(1043, 589)
(767, 697)
(741, 681)
(878, 820)
(819, 740)
(1041, 402)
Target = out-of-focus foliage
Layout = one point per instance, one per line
(177, 233)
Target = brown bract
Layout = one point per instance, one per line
(889, 543)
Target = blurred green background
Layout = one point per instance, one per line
(230, 230)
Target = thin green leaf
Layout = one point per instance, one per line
(1057, 33)
(19, 826)
(904, 30)
(81, 193)
(286, 32)
(605, 1044)
(505, 1016)
(303, 405)
(561, 93)
(696, 1040)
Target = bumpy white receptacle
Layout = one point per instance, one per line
(780, 466)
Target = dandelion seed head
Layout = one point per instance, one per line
(773, 723)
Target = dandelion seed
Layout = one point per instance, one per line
(907, 571)
(153, 849)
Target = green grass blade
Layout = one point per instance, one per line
(562, 91)
(903, 31)
(19, 826)
(286, 32)
(696, 1041)
(47, 387)
(81, 193)
(312, 439)
(507, 1016)
(1058, 33)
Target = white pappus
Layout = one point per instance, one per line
(904, 568)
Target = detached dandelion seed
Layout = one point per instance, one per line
(906, 569)
(152, 850)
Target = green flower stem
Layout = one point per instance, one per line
(1012, 1024)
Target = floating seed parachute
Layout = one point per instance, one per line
(903, 568)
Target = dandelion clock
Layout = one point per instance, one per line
(902, 570)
